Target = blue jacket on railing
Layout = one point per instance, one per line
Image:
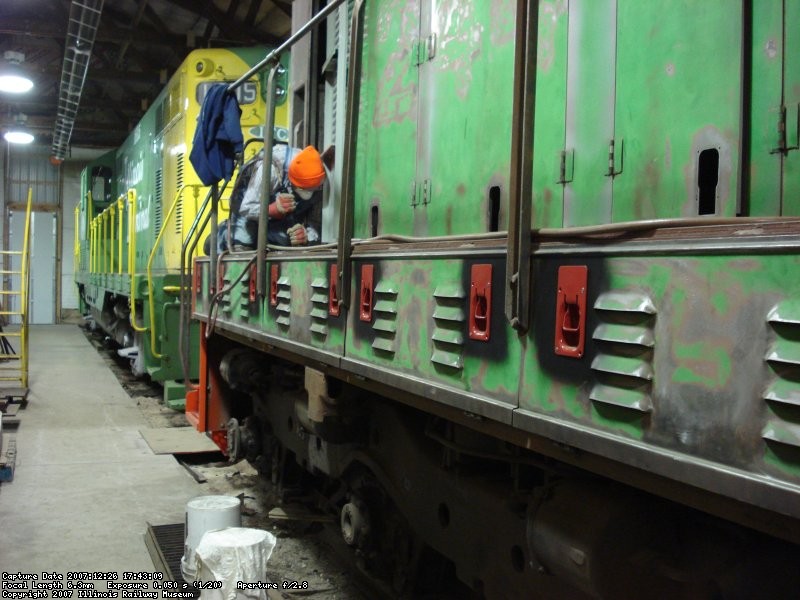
(218, 137)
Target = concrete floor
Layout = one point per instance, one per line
(86, 483)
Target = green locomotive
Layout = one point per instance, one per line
(551, 339)
(138, 205)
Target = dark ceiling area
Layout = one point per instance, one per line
(137, 46)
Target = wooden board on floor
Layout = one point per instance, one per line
(177, 440)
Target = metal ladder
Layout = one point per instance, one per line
(14, 303)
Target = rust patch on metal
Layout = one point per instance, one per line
(503, 15)
(459, 45)
(645, 207)
(748, 265)
(549, 14)
(396, 93)
(448, 219)
(771, 49)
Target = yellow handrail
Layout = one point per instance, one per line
(105, 242)
(113, 218)
(150, 264)
(132, 257)
(120, 207)
(90, 217)
(76, 242)
(25, 282)
(92, 244)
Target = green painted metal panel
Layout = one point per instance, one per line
(791, 86)
(465, 105)
(590, 109)
(715, 378)
(387, 131)
(765, 103)
(550, 116)
(429, 337)
(301, 314)
(166, 318)
(678, 94)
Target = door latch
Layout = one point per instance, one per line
(365, 298)
(251, 289)
(274, 273)
(480, 302)
(571, 311)
(333, 291)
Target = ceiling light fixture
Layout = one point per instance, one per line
(12, 78)
(19, 134)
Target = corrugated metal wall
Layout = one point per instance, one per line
(28, 167)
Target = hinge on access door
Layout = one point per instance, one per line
(424, 50)
(612, 158)
(783, 141)
(421, 192)
(567, 166)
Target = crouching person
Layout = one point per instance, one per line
(296, 180)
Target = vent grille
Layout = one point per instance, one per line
(385, 322)
(625, 342)
(158, 212)
(319, 307)
(178, 186)
(284, 307)
(225, 301)
(783, 393)
(246, 307)
(449, 316)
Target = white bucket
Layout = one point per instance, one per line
(231, 557)
(203, 514)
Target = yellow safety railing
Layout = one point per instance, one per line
(76, 246)
(132, 257)
(150, 265)
(112, 211)
(91, 246)
(90, 214)
(25, 283)
(105, 237)
(120, 208)
(9, 308)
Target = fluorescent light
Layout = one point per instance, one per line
(18, 137)
(15, 84)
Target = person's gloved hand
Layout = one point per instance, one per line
(297, 235)
(283, 205)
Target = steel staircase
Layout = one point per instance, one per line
(14, 315)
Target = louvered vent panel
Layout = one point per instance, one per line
(178, 186)
(319, 307)
(625, 341)
(284, 307)
(449, 316)
(225, 302)
(384, 323)
(783, 391)
(159, 200)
